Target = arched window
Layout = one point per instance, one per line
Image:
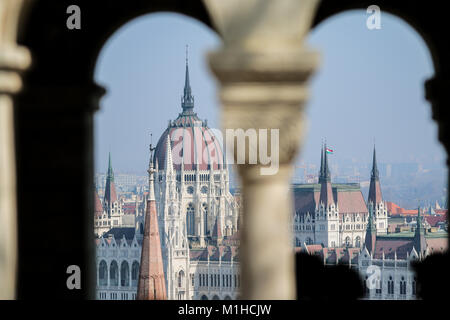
(190, 219)
(204, 297)
(309, 240)
(414, 286)
(180, 278)
(216, 297)
(227, 297)
(114, 274)
(348, 242)
(390, 285)
(103, 273)
(134, 273)
(358, 241)
(403, 286)
(205, 216)
(124, 274)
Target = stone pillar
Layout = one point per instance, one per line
(13, 60)
(263, 68)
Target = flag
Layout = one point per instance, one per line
(329, 150)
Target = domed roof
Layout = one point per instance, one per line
(192, 142)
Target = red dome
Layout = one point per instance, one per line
(192, 142)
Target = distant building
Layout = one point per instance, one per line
(335, 215)
(110, 213)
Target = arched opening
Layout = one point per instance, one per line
(190, 219)
(180, 279)
(103, 273)
(367, 95)
(134, 273)
(142, 94)
(124, 274)
(204, 297)
(114, 274)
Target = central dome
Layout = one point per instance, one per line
(192, 142)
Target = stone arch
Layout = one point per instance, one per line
(215, 297)
(204, 297)
(227, 297)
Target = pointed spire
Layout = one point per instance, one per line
(326, 192)
(375, 174)
(375, 195)
(187, 101)
(152, 284)
(110, 188)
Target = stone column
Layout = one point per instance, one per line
(263, 68)
(13, 60)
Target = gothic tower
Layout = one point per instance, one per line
(375, 198)
(327, 212)
(152, 284)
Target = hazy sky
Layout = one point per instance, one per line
(369, 86)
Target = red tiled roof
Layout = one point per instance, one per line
(348, 201)
(98, 206)
(394, 209)
(434, 220)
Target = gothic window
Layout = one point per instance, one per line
(190, 219)
(403, 286)
(205, 216)
(216, 298)
(192, 280)
(309, 240)
(180, 278)
(347, 242)
(124, 274)
(204, 190)
(358, 241)
(134, 272)
(114, 274)
(204, 297)
(414, 286)
(103, 273)
(190, 190)
(390, 285)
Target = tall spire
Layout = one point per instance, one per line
(375, 188)
(187, 101)
(152, 284)
(326, 192)
(110, 188)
